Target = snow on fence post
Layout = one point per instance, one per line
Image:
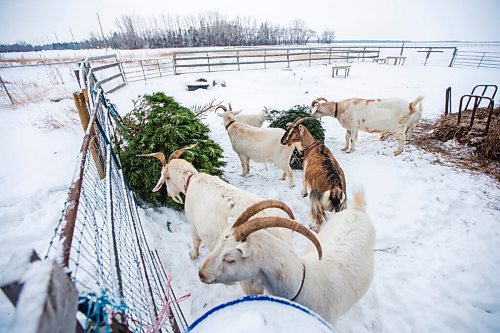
(57, 312)
(45, 298)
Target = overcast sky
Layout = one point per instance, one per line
(42, 21)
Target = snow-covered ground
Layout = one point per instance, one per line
(438, 228)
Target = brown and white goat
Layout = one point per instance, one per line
(390, 115)
(323, 178)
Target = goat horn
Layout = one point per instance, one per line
(230, 107)
(260, 206)
(159, 156)
(178, 152)
(258, 223)
(299, 121)
(221, 107)
(321, 99)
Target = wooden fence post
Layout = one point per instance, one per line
(83, 111)
(80, 102)
(143, 73)
(158, 63)
(5, 88)
(56, 310)
(174, 63)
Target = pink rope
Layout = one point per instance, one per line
(164, 313)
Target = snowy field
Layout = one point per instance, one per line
(438, 228)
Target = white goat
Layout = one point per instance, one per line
(329, 286)
(254, 119)
(391, 115)
(210, 202)
(257, 144)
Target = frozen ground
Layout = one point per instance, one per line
(438, 229)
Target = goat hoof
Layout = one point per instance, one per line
(193, 255)
(396, 153)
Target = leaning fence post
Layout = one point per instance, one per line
(5, 88)
(481, 61)
(453, 57)
(83, 112)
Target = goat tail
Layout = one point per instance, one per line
(337, 199)
(415, 103)
(318, 206)
(358, 198)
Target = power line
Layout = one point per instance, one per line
(102, 33)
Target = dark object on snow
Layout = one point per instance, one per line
(195, 85)
(282, 118)
(219, 82)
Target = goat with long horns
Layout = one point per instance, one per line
(328, 281)
(210, 202)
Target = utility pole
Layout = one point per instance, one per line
(72, 37)
(102, 33)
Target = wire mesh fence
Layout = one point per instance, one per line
(103, 241)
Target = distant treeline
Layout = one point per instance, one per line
(206, 29)
(25, 47)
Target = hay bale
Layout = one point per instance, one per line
(490, 147)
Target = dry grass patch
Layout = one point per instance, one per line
(460, 145)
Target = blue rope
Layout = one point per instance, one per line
(111, 108)
(96, 309)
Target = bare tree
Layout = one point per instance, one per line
(327, 36)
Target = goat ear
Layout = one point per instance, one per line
(220, 113)
(159, 184)
(236, 112)
(243, 249)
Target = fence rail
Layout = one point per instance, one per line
(136, 70)
(477, 59)
(103, 240)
